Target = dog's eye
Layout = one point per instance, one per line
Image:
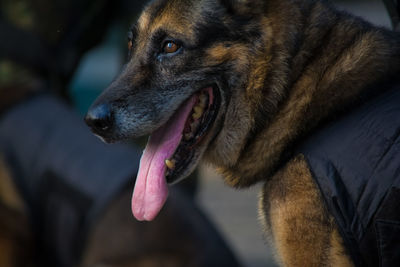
(170, 47)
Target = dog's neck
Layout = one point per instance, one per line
(322, 66)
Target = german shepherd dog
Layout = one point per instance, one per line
(239, 84)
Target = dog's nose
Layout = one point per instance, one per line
(100, 119)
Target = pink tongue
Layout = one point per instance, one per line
(151, 189)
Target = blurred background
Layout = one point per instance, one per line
(233, 212)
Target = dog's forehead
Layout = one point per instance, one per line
(172, 14)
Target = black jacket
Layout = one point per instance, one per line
(356, 163)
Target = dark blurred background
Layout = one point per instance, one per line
(234, 212)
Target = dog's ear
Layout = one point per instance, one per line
(244, 7)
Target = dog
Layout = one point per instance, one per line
(250, 86)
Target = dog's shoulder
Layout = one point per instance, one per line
(303, 232)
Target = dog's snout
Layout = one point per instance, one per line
(100, 119)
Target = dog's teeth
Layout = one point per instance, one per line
(196, 116)
(170, 164)
(198, 111)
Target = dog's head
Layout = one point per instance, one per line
(191, 80)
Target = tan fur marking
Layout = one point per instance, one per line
(228, 51)
(173, 19)
(337, 252)
(144, 21)
(304, 233)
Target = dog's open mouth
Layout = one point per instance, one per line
(171, 151)
(196, 127)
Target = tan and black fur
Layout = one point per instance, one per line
(283, 68)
